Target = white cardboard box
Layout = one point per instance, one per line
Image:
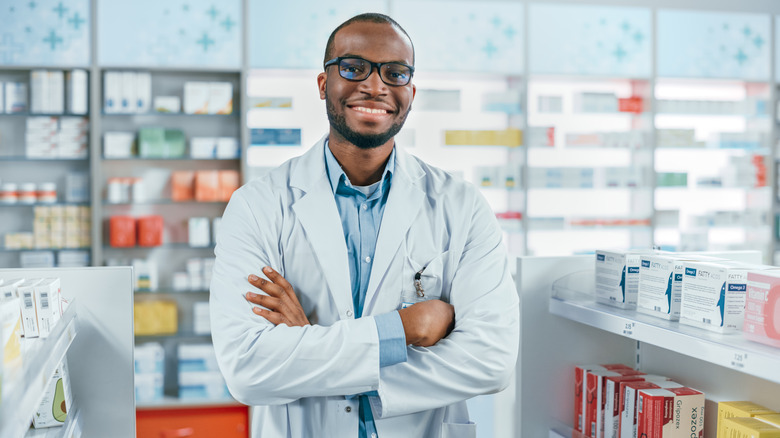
(617, 277)
(196, 97)
(26, 292)
(77, 92)
(670, 413)
(56, 397)
(47, 305)
(220, 98)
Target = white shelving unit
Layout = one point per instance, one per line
(95, 337)
(562, 326)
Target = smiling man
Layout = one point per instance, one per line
(359, 292)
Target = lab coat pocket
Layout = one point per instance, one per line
(459, 430)
(430, 271)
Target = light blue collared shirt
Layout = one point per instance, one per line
(361, 210)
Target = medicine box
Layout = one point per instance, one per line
(149, 387)
(202, 385)
(198, 230)
(47, 304)
(595, 398)
(201, 320)
(207, 186)
(611, 396)
(197, 357)
(617, 277)
(26, 292)
(714, 293)
(15, 97)
(57, 400)
(118, 144)
(220, 98)
(730, 409)
(629, 396)
(746, 427)
(149, 358)
(762, 308)
(660, 284)
(580, 389)
(196, 97)
(10, 326)
(167, 104)
(670, 413)
(773, 419)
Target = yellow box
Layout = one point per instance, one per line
(508, 137)
(155, 317)
(773, 419)
(739, 409)
(746, 427)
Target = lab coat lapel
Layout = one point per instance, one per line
(403, 205)
(317, 212)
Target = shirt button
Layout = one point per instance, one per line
(349, 313)
(368, 259)
(348, 409)
(364, 206)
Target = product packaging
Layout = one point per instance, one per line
(47, 304)
(26, 292)
(730, 409)
(202, 385)
(580, 389)
(15, 97)
(196, 97)
(220, 98)
(77, 92)
(57, 400)
(198, 230)
(203, 147)
(670, 413)
(155, 317)
(197, 357)
(118, 144)
(611, 397)
(10, 328)
(182, 185)
(762, 308)
(596, 397)
(229, 181)
(714, 293)
(746, 427)
(122, 231)
(201, 321)
(773, 419)
(150, 230)
(167, 104)
(128, 92)
(617, 277)
(227, 148)
(629, 396)
(207, 186)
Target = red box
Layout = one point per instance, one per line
(670, 413)
(610, 404)
(580, 386)
(229, 182)
(150, 231)
(122, 231)
(182, 185)
(207, 185)
(595, 400)
(633, 104)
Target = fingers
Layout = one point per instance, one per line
(277, 279)
(272, 317)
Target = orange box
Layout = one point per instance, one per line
(182, 185)
(228, 183)
(122, 231)
(150, 231)
(207, 185)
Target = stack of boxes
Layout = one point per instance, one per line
(57, 137)
(13, 97)
(745, 419)
(149, 372)
(199, 375)
(126, 92)
(197, 277)
(62, 226)
(204, 185)
(208, 98)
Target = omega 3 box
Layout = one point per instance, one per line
(762, 308)
(670, 413)
(660, 285)
(713, 294)
(581, 386)
(617, 277)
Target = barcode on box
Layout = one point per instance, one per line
(44, 300)
(28, 300)
(657, 308)
(706, 320)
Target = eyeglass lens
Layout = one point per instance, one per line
(356, 69)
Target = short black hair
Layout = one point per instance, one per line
(368, 17)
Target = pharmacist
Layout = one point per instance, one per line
(390, 300)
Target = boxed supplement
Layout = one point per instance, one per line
(629, 392)
(762, 308)
(26, 292)
(149, 387)
(595, 401)
(617, 277)
(47, 304)
(202, 385)
(670, 413)
(660, 285)
(773, 419)
(57, 400)
(713, 294)
(196, 97)
(746, 427)
(611, 406)
(149, 358)
(220, 98)
(197, 357)
(729, 409)
(198, 230)
(10, 327)
(580, 388)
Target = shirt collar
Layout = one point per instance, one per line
(337, 176)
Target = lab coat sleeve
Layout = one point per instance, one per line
(479, 356)
(265, 364)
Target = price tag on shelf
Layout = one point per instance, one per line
(628, 329)
(738, 360)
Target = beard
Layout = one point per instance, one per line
(362, 141)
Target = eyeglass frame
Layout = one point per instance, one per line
(377, 65)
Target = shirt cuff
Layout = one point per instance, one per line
(392, 340)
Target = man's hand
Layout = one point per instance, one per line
(426, 322)
(281, 302)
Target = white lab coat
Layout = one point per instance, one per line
(297, 377)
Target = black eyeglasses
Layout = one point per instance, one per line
(357, 69)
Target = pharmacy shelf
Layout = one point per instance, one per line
(168, 291)
(29, 114)
(41, 357)
(86, 248)
(70, 429)
(175, 245)
(163, 202)
(220, 116)
(42, 204)
(42, 160)
(175, 402)
(171, 159)
(573, 298)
